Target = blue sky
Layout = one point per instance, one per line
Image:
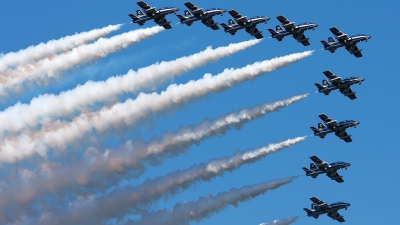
(371, 183)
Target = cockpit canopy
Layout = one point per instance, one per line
(359, 35)
(213, 9)
(351, 78)
(347, 121)
(306, 23)
(167, 7)
(338, 203)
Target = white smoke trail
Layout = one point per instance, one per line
(286, 221)
(46, 108)
(41, 72)
(127, 161)
(53, 47)
(60, 135)
(204, 207)
(128, 199)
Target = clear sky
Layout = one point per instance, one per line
(371, 183)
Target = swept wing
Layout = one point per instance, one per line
(336, 216)
(194, 8)
(335, 176)
(348, 92)
(335, 80)
(328, 121)
(344, 136)
(318, 202)
(146, 7)
(285, 22)
(238, 17)
(339, 34)
(319, 162)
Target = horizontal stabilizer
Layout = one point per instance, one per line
(132, 16)
(272, 31)
(224, 26)
(181, 17)
(314, 129)
(307, 210)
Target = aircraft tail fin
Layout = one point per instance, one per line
(231, 22)
(278, 28)
(188, 13)
(313, 166)
(321, 126)
(139, 13)
(325, 82)
(331, 40)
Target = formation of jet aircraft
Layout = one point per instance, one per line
(350, 43)
(319, 207)
(333, 127)
(297, 31)
(194, 13)
(287, 28)
(337, 83)
(319, 167)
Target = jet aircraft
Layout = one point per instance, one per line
(297, 31)
(241, 22)
(319, 167)
(319, 207)
(332, 126)
(195, 13)
(337, 83)
(150, 13)
(350, 43)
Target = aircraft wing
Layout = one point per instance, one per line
(318, 162)
(255, 32)
(318, 202)
(193, 8)
(238, 17)
(338, 34)
(348, 92)
(316, 159)
(344, 136)
(335, 80)
(336, 216)
(146, 7)
(302, 39)
(285, 22)
(335, 176)
(327, 120)
(163, 22)
(355, 51)
(210, 23)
